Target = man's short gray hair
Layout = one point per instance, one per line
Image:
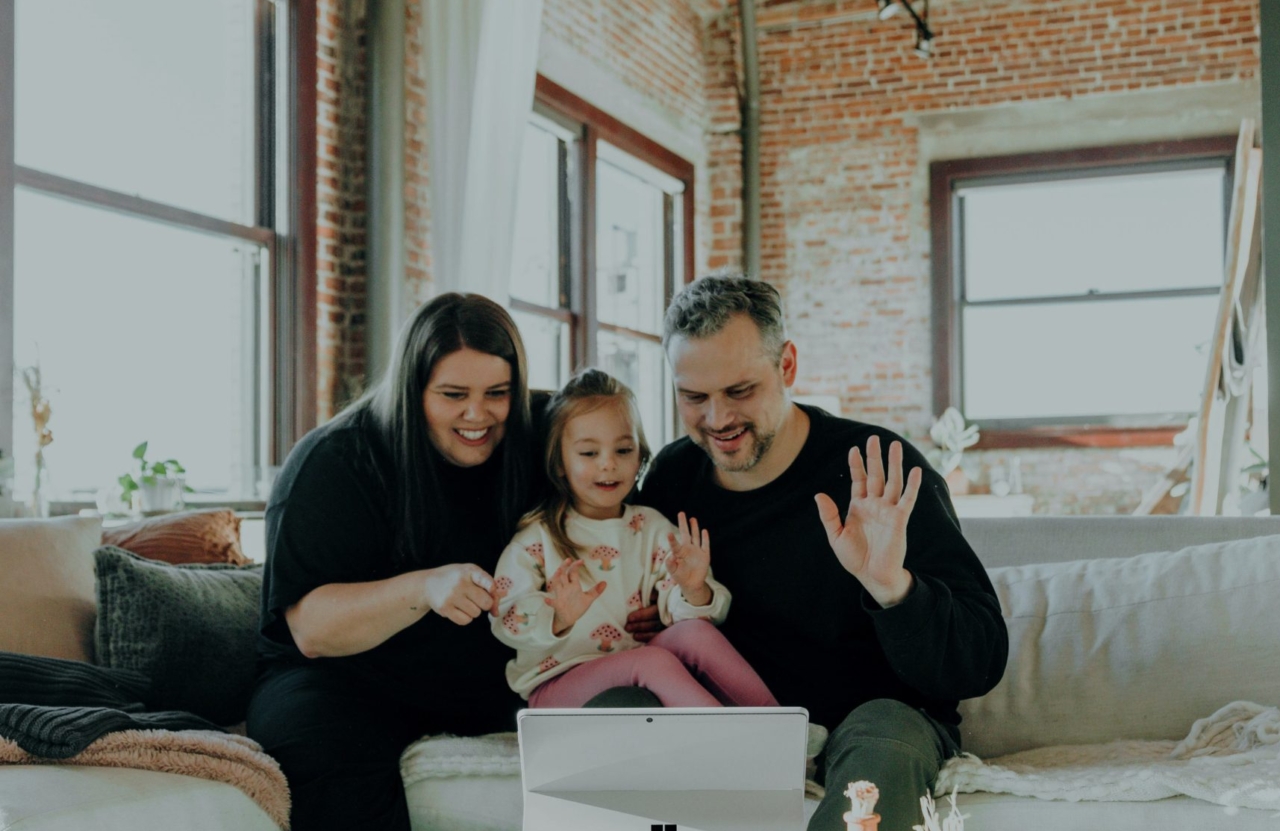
(705, 307)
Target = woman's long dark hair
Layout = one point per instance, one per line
(393, 411)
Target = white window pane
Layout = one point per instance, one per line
(535, 256)
(642, 367)
(1131, 357)
(1103, 234)
(144, 333)
(546, 347)
(148, 97)
(630, 256)
(645, 172)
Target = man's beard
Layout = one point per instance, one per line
(758, 447)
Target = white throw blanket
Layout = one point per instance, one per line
(441, 757)
(1231, 758)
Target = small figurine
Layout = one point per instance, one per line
(862, 816)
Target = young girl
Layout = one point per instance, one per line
(584, 560)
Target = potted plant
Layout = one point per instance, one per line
(952, 438)
(6, 485)
(159, 486)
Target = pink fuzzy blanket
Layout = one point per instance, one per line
(221, 757)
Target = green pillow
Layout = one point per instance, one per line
(190, 628)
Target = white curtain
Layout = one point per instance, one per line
(480, 65)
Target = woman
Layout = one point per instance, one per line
(383, 529)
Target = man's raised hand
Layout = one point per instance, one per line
(872, 542)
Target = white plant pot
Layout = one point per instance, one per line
(164, 494)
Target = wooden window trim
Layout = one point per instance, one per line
(1091, 435)
(944, 177)
(601, 125)
(594, 125)
(293, 323)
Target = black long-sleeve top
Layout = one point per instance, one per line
(806, 625)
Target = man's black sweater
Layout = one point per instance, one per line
(804, 623)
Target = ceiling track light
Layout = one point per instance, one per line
(924, 43)
(924, 35)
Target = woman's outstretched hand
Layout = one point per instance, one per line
(872, 542)
(690, 560)
(458, 591)
(566, 596)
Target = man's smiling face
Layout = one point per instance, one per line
(731, 393)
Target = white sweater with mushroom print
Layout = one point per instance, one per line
(628, 553)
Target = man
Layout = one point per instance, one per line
(877, 622)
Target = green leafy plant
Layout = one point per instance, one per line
(953, 437)
(149, 473)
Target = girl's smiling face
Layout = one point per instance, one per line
(600, 456)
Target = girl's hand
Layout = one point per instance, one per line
(690, 560)
(566, 596)
(459, 591)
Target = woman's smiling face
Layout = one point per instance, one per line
(466, 403)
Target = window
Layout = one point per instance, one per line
(601, 243)
(149, 173)
(1076, 292)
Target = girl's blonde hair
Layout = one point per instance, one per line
(586, 392)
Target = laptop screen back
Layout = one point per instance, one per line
(673, 749)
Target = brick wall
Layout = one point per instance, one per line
(844, 228)
(722, 53)
(653, 46)
(343, 71)
(845, 234)
(417, 195)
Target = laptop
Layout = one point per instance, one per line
(669, 769)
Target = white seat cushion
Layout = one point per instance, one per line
(1001, 812)
(478, 803)
(73, 798)
(492, 803)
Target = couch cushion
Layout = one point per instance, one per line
(1001, 812)
(66, 798)
(46, 596)
(1133, 648)
(190, 628)
(208, 535)
(478, 803)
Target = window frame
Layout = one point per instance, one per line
(578, 218)
(289, 355)
(945, 177)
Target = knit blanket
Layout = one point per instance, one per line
(206, 754)
(443, 757)
(1230, 758)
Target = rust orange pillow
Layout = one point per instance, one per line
(208, 535)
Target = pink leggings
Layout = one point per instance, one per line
(689, 664)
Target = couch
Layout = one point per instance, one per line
(1105, 644)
